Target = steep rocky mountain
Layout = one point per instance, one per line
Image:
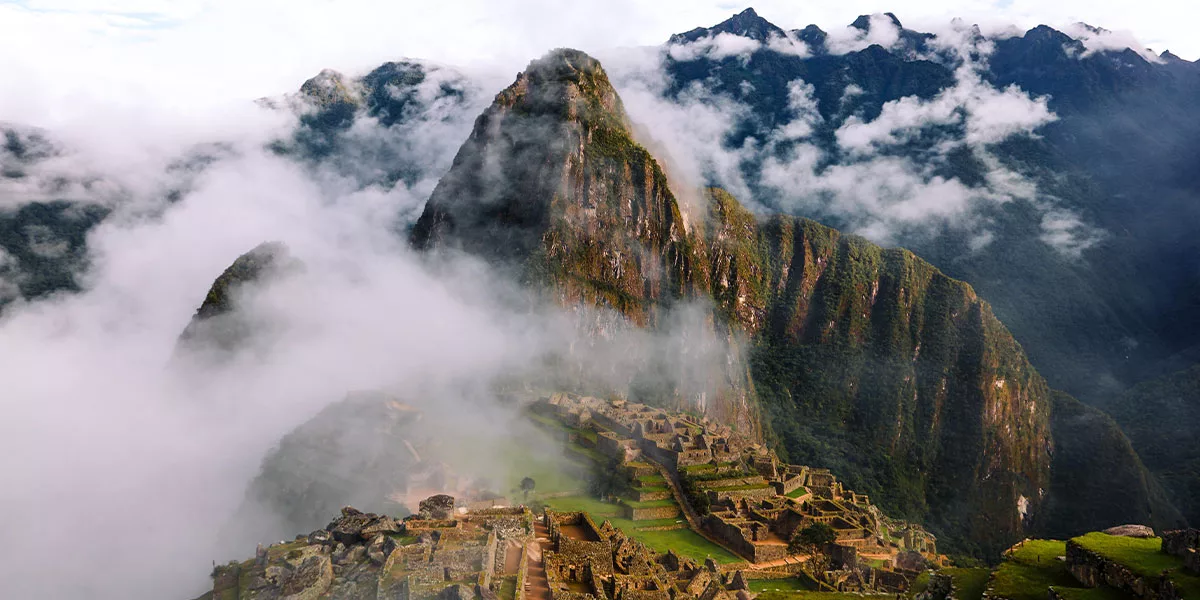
(398, 124)
(867, 360)
(217, 326)
(1115, 309)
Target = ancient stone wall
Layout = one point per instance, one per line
(652, 495)
(722, 496)
(1092, 570)
(1184, 543)
(731, 482)
(651, 513)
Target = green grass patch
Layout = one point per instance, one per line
(643, 525)
(651, 489)
(590, 453)
(970, 583)
(508, 588)
(796, 493)
(698, 468)
(806, 595)
(1030, 571)
(685, 542)
(648, 503)
(1143, 556)
(651, 480)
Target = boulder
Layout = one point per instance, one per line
(911, 561)
(440, 506)
(309, 580)
(1133, 531)
(320, 536)
(348, 528)
(383, 524)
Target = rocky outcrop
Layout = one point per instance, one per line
(1136, 531)
(440, 506)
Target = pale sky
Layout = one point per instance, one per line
(55, 54)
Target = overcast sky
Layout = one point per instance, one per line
(197, 52)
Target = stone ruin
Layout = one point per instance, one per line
(756, 502)
(590, 562)
(1184, 543)
(433, 555)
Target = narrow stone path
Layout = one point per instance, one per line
(537, 586)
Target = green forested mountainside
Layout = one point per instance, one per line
(1098, 479)
(866, 360)
(1116, 155)
(1162, 419)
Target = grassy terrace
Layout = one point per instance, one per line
(652, 488)
(1144, 557)
(684, 542)
(648, 504)
(740, 488)
(1034, 568)
(970, 583)
(796, 493)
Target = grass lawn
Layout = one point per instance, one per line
(508, 588)
(1031, 570)
(649, 503)
(648, 489)
(1143, 556)
(970, 583)
(684, 542)
(806, 595)
(796, 493)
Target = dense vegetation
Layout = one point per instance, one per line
(1162, 417)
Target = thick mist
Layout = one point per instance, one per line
(126, 466)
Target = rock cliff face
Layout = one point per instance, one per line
(872, 359)
(552, 180)
(862, 357)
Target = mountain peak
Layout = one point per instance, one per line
(566, 83)
(746, 24)
(863, 22)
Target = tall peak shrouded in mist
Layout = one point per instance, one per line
(863, 22)
(551, 182)
(217, 325)
(746, 24)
